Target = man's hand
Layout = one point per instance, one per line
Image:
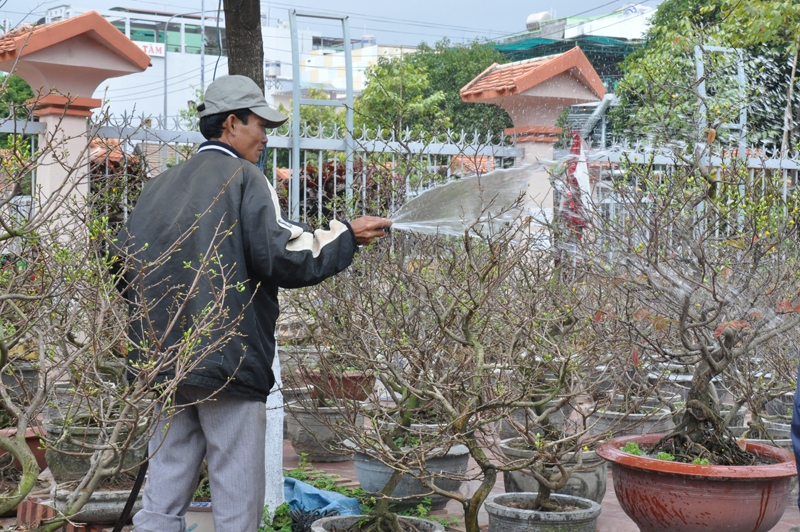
(367, 228)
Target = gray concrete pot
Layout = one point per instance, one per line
(69, 467)
(507, 519)
(588, 482)
(21, 380)
(781, 405)
(102, 506)
(342, 522)
(610, 423)
(309, 430)
(290, 395)
(519, 415)
(373, 476)
(293, 358)
(738, 418)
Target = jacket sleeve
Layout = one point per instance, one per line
(282, 253)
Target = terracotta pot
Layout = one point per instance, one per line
(662, 496)
(32, 436)
(353, 385)
(781, 437)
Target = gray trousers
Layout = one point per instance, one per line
(229, 432)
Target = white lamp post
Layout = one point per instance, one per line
(166, 53)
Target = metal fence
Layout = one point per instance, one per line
(387, 167)
(404, 163)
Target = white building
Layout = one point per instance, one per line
(325, 66)
(174, 76)
(628, 22)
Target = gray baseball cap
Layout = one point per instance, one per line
(230, 93)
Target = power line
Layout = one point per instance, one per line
(379, 19)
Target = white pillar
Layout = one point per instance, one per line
(273, 494)
(62, 174)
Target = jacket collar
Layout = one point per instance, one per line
(221, 147)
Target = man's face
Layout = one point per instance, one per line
(248, 139)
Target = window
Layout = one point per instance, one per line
(119, 24)
(143, 30)
(174, 43)
(212, 43)
(192, 38)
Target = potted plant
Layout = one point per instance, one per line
(447, 323)
(510, 511)
(312, 417)
(670, 309)
(667, 495)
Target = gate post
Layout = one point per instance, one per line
(64, 62)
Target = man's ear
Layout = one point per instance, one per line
(229, 123)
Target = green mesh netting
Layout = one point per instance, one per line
(604, 53)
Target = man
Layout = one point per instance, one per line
(219, 200)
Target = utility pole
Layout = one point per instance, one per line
(203, 46)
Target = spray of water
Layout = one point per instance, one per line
(501, 195)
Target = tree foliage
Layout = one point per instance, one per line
(450, 67)
(659, 91)
(14, 95)
(398, 95)
(421, 90)
(754, 22)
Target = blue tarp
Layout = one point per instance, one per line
(307, 498)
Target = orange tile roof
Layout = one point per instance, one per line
(28, 39)
(102, 149)
(499, 81)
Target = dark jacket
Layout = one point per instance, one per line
(222, 212)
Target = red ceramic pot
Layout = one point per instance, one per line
(353, 385)
(32, 439)
(662, 496)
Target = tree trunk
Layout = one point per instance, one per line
(473, 505)
(701, 392)
(243, 33)
(16, 446)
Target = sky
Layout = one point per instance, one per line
(392, 22)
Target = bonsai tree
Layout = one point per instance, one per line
(765, 384)
(460, 331)
(699, 267)
(694, 246)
